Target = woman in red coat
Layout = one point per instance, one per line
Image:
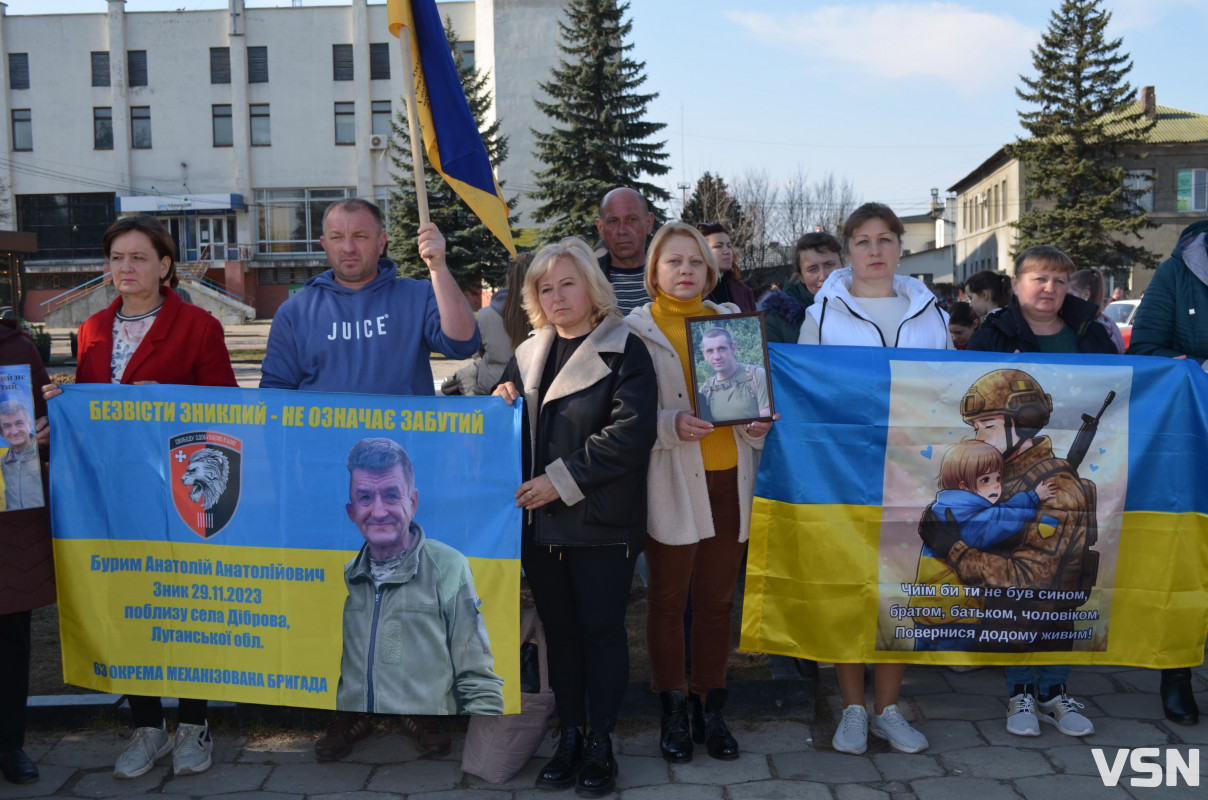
(149, 335)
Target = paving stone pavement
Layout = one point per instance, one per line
(962, 714)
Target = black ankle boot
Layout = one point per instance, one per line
(598, 775)
(709, 728)
(559, 771)
(1177, 699)
(675, 742)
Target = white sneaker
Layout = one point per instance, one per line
(1062, 711)
(1021, 715)
(192, 753)
(891, 725)
(852, 734)
(147, 746)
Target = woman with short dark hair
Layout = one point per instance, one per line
(149, 335)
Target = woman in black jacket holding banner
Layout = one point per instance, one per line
(591, 403)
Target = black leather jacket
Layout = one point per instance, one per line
(592, 436)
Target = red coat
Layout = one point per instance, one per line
(185, 346)
(27, 570)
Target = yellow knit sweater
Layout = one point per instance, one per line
(718, 448)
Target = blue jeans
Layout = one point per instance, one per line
(1043, 677)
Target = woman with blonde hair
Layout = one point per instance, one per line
(701, 483)
(588, 389)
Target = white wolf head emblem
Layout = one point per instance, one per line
(207, 474)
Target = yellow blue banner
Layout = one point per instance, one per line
(955, 507)
(221, 543)
(451, 136)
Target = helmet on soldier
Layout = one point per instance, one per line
(1012, 393)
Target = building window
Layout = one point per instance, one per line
(220, 65)
(66, 221)
(1140, 180)
(379, 62)
(1192, 191)
(140, 127)
(346, 126)
(102, 128)
(100, 67)
(136, 67)
(257, 65)
(291, 220)
(23, 129)
(464, 51)
(341, 62)
(380, 117)
(18, 71)
(1002, 194)
(261, 132)
(224, 135)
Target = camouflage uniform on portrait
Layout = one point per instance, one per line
(735, 398)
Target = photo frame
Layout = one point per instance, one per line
(20, 459)
(738, 343)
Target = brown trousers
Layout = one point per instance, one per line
(709, 568)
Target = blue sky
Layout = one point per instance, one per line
(896, 97)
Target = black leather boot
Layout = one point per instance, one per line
(1177, 699)
(559, 771)
(675, 742)
(709, 728)
(598, 775)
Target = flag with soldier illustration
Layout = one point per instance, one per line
(979, 508)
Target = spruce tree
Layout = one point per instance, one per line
(711, 201)
(473, 253)
(1084, 117)
(598, 134)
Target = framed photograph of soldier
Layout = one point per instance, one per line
(20, 465)
(730, 381)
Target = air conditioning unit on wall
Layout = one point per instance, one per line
(377, 142)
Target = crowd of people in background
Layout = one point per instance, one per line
(616, 462)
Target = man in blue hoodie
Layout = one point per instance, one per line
(359, 327)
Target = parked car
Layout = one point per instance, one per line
(1122, 312)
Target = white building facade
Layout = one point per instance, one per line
(237, 127)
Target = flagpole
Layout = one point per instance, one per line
(417, 142)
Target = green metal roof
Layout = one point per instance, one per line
(1175, 126)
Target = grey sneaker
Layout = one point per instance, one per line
(147, 746)
(192, 753)
(891, 725)
(1062, 711)
(1021, 714)
(852, 734)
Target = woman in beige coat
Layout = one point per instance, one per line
(700, 486)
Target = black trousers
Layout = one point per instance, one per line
(14, 677)
(148, 712)
(581, 594)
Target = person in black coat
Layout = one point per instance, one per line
(592, 406)
(1041, 316)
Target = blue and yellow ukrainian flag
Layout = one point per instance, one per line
(451, 136)
(835, 570)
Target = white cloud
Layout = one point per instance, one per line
(967, 49)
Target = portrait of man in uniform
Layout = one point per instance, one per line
(730, 389)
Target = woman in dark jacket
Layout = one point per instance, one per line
(149, 335)
(27, 577)
(730, 288)
(590, 393)
(1041, 316)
